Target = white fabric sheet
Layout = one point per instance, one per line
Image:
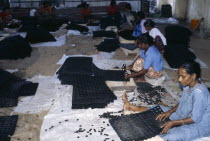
(59, 42)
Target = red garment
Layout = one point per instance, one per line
(113, 10)
(46, 10)
(85, 12)
(4, 16)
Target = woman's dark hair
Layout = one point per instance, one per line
(85, 5)
(5, 8)
(141, 14)
(112, 3)
(192, 67)
(149, 23)
(145, 38)
(128, 6)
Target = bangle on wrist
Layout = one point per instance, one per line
(182, 122)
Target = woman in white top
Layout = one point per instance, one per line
(160, 40)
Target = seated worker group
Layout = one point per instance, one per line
(148, 63)
(190, 118)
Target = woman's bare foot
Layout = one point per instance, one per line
(126, 105)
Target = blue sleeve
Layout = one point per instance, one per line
(147, 61)
(198, 106)
(141, 54)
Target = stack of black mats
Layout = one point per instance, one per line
(38, 35)
(127, 34)
(176, 34)
(11, 87)
(15, 47)
(109, 21)
(138, 127)
(89, 87)
(108, 34)
(51, 23)
(108, 45)
(177, 52)
(80, 28)
(28, 23)
(8, 125)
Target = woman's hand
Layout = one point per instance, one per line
(166, 126)
(163, 116)
(129, 67)
(127, 76)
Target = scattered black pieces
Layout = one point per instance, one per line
(110, 114)
(149, 94)
(138, 126)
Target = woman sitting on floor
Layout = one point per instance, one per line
(139, 28)
(149, 62)
(190, 118)
(45, 9)
(113, 9)
(160, 40)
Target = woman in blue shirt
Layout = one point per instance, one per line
(190, 118)
(149, 62)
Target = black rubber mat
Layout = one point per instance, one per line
(77, 65)
(28, 89)
(136, 127)
(8, 102)
(77, 27)
(14, 47)
(14, 89)
(11, 87)
(8, 125)
(108, 34)
(4, 76)
(4, 138)
(91, 92)
(108, 45)
(89, 87)
(111, 75)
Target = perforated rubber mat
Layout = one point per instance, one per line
(111, 75)
(136, 127)
(11, 87)
(94, 93)
(89, 87)
(8, 125)
(8, 102)
(28, 89)
(14, 89)
(77, 65)
(4, 138)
